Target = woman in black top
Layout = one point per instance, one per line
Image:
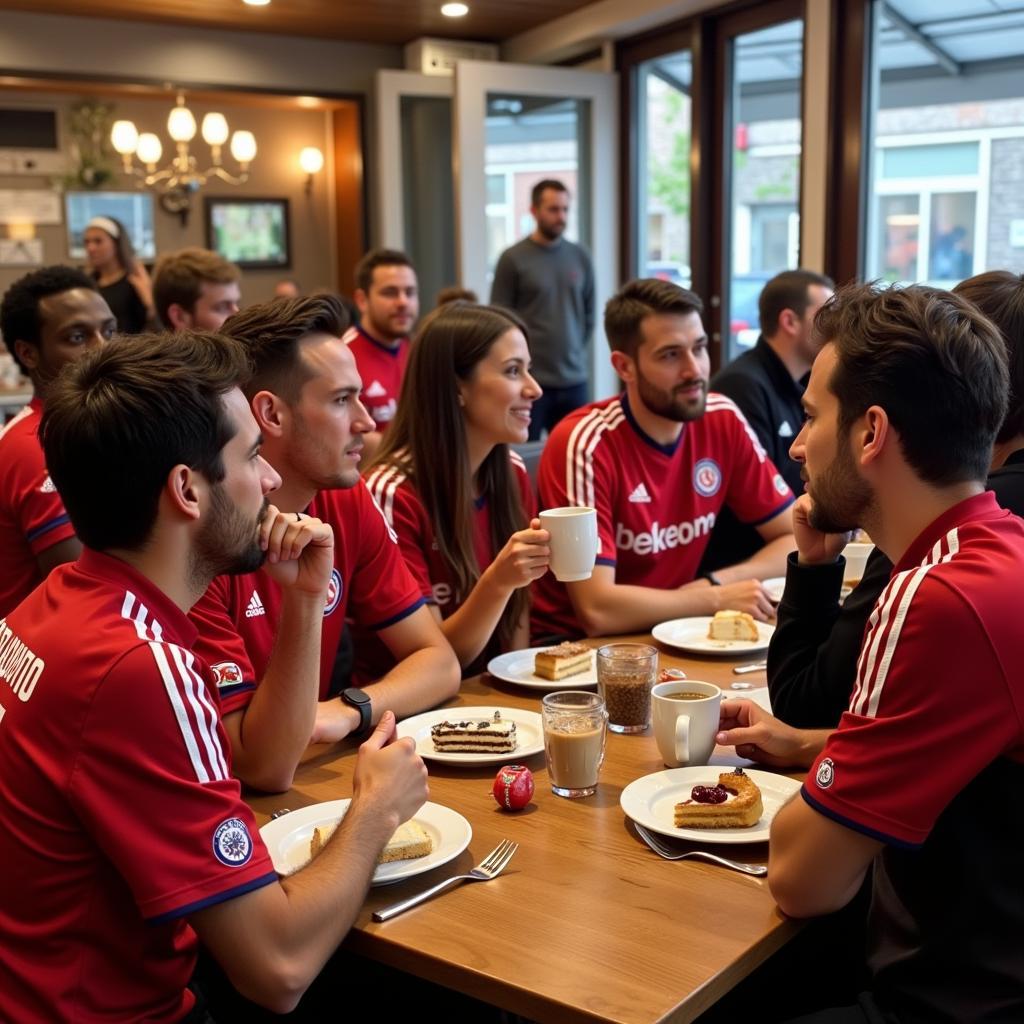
(121, 278)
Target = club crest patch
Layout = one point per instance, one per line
(780, 485)
(826, 773)
(232, 844)
(333, 592)
(227, 673)
(707, 478)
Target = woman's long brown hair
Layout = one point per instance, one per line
(427, 442)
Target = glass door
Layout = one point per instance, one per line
(516, 125)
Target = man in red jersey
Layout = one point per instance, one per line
(304, 393)
(921, 782)
(658, 463)
(48, 318)
(123, 835)
(387, 295)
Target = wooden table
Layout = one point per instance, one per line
(586, 923)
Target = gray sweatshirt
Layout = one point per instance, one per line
(552, 288)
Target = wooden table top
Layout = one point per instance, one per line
(586, 923)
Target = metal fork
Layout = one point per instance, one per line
(660, 847)
(490, 867)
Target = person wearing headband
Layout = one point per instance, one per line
(120, 277)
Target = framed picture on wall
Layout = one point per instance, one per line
(253, 233)
(133, 209)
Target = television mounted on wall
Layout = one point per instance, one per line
(252, 233)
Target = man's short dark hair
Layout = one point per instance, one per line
(931, 361)
(787, 290)
(1000, 296)
(644, 297)
(179, 278)
(119, 419)
(538, 190)
(270, 333)
(378, 258)
(19, 311)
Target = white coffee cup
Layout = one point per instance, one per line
(856, 555)
(573, 541)
(685, 729)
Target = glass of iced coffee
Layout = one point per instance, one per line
(574, 737)
(625, 675)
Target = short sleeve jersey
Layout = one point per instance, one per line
(381, 368)
(120, 815)
(32, 516)
(938, 700)
(656, 504)
(404, 510)
(238, 616)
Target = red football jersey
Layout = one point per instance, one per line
(404, 510)
(237, 617)
(120, 814)
(32, 516)
(656, 504)
(938, 693)
(381, 368)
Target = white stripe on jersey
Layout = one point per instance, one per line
(719, 403)
(387, 524)
(24, 414)
(516, 458)
(383, 482)
(893, 605)
(146, 631)
(585, 437)
(205, 716)
(172, 687)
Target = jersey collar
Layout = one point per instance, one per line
(980, 506)
(665, 449)
(391, 351)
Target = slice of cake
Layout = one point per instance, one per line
(409, 841)
(567, 659)
(732, 626)
(495, 735)
(734, 803)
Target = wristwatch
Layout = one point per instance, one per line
(712, 579)
(355, 698)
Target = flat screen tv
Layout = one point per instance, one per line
(254, 233)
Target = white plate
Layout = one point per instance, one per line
(529, 734)
(692, 635)
(651, 801)
(288, 837)
(517, 667)
(775, 586)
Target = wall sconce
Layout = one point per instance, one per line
(311, 160)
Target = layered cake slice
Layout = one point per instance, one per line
(495, 735)
(711, 806)
(409, 841)
(732, 626)
(567, 659)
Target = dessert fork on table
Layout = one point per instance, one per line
(663, 849)
(490, 867)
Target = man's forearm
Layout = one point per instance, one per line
(625, 608)
(422, 680)
(275, 728)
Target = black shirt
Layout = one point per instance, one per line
(759, 383)
(124, 302)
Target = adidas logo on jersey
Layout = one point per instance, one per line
(255, 608)
(375, 390)
(662, 538)
(639, 494)
(785, 430)
(47, 487)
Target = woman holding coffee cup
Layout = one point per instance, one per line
(459, 500)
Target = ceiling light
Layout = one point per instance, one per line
(257, 3)
(455, 10)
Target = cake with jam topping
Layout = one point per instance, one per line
(495, 735)
(734, 803)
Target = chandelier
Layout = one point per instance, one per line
(182, 176)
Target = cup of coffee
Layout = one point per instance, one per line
(856, 555)
(685, 721)
(574, 738)
(573, 541)
(625, 675)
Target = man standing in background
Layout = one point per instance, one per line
(549, 282)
